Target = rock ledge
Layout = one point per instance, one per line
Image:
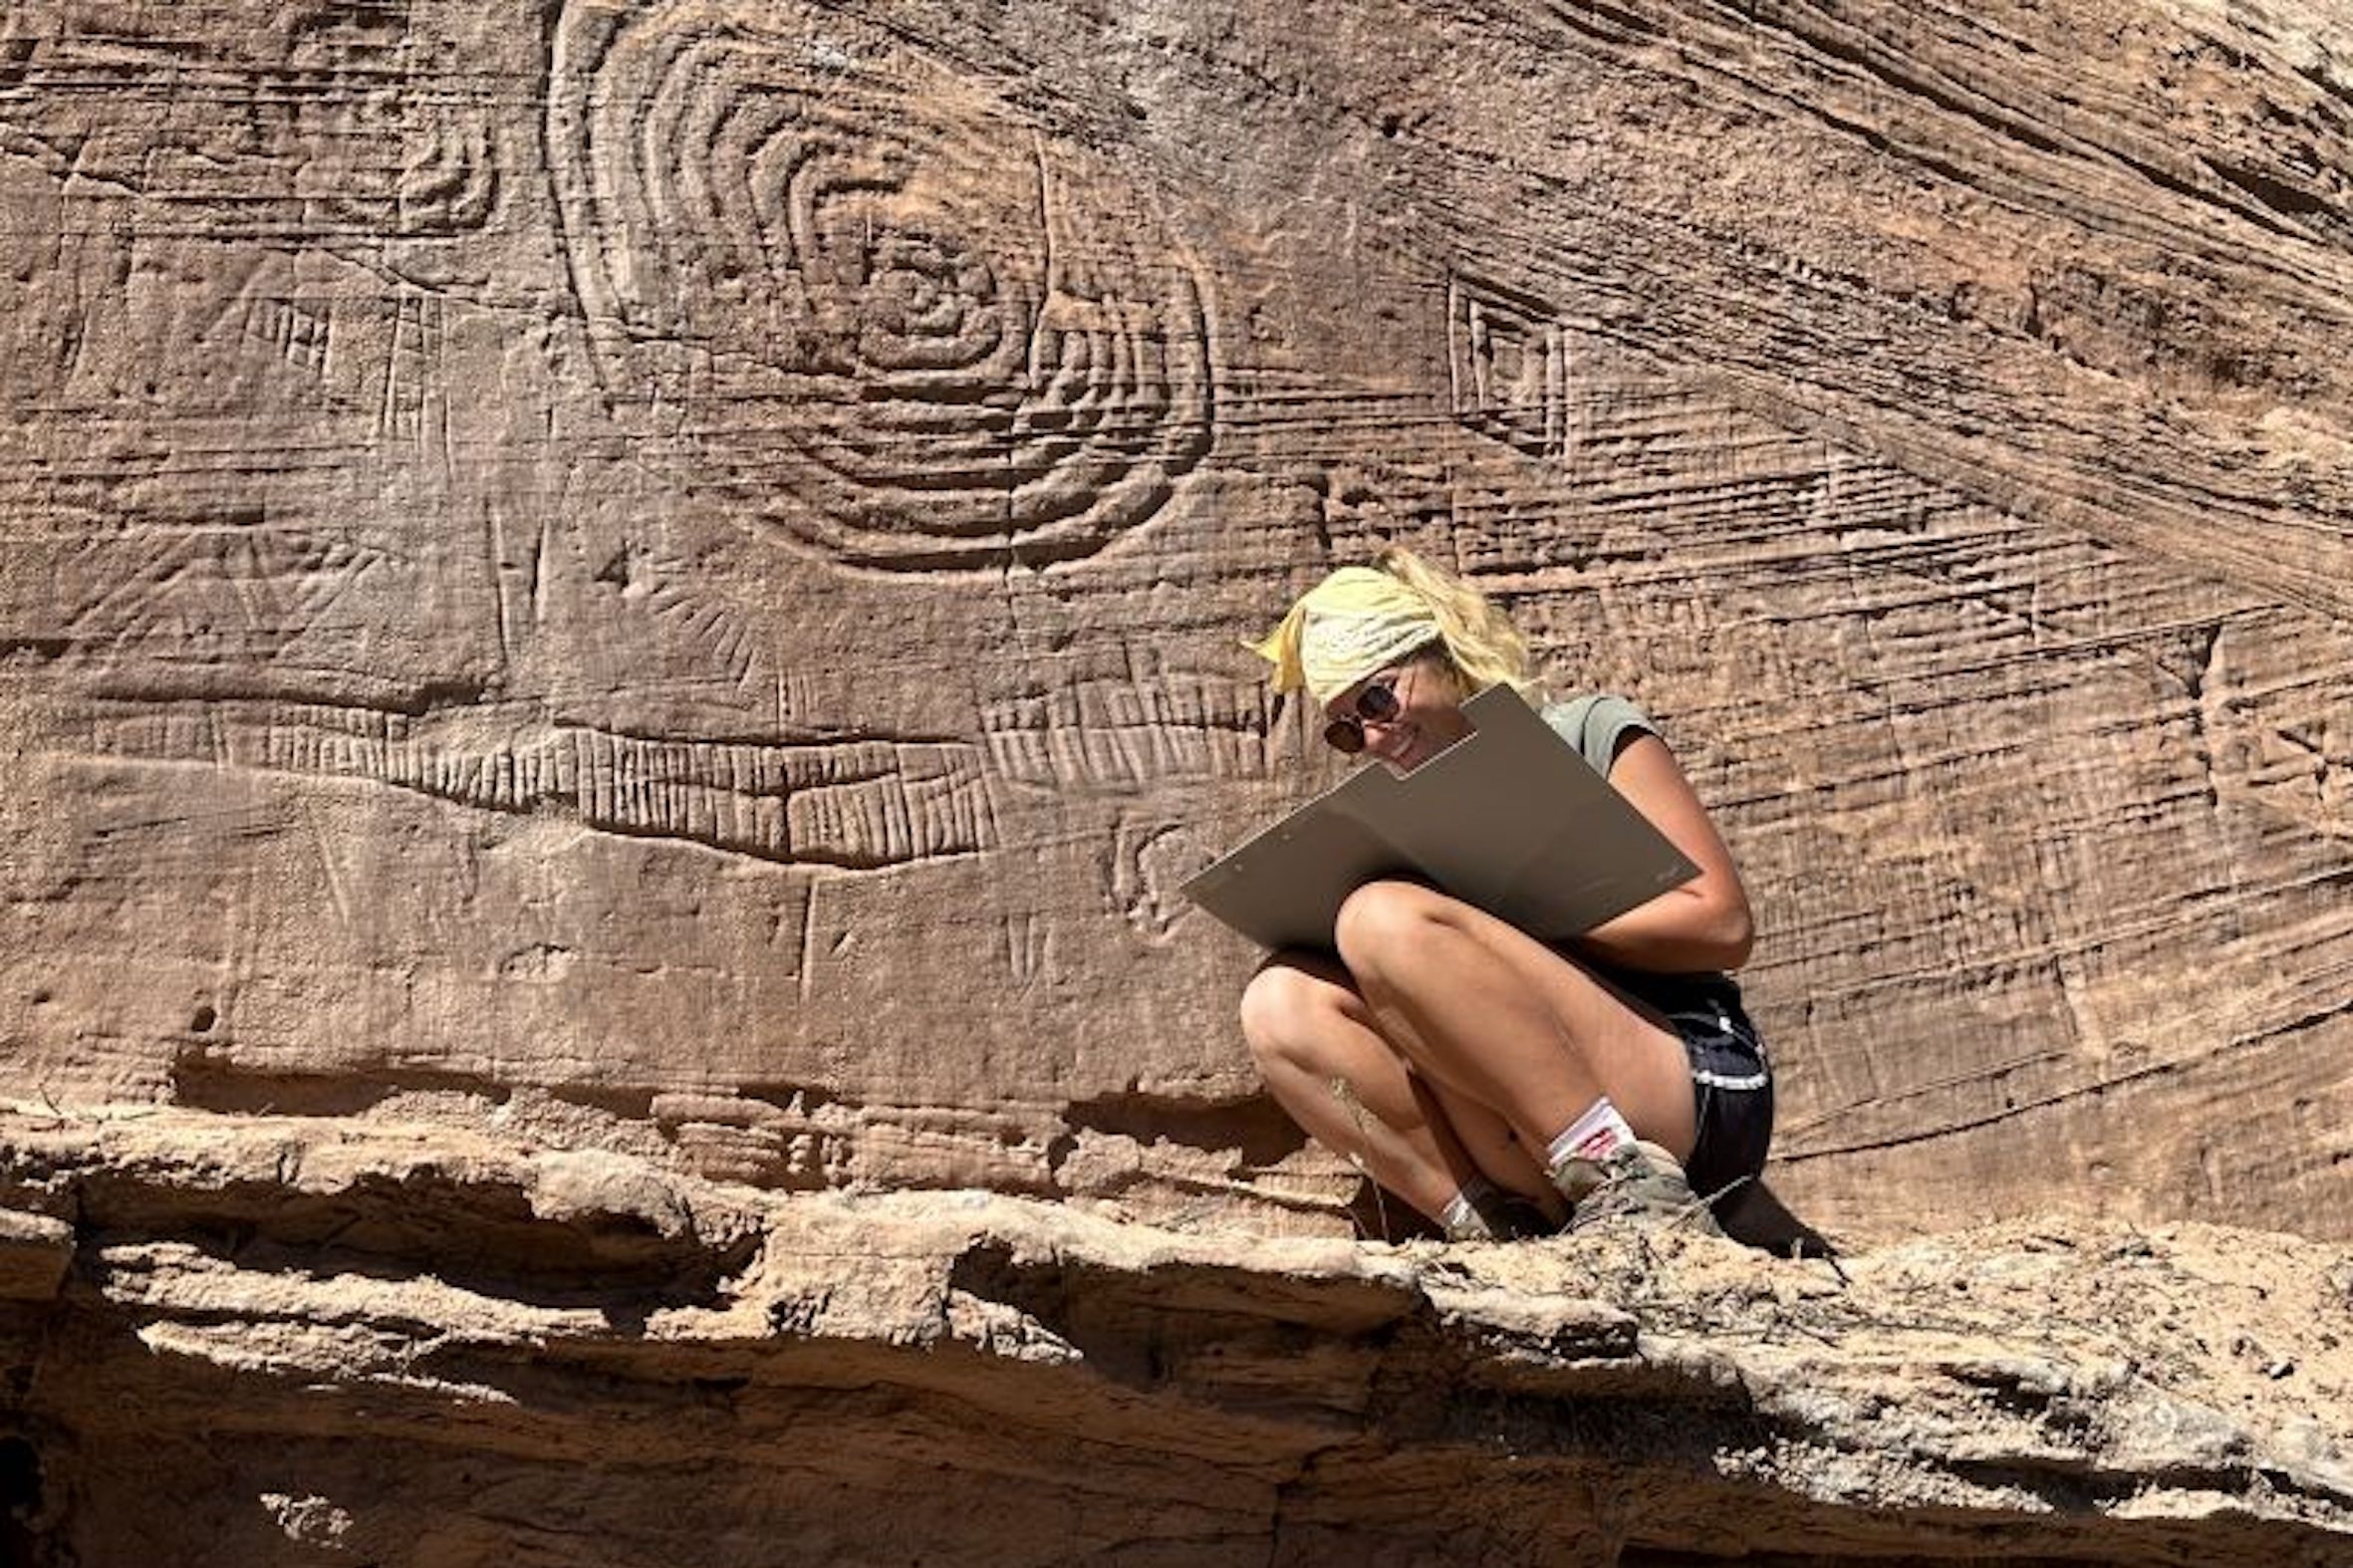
(246, 1339)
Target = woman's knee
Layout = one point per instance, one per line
(1285, 1010)
(1383, 928)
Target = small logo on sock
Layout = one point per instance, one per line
(1598, 1146)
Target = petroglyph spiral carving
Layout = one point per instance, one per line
(876, 306)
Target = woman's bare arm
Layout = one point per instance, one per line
(1702, 925)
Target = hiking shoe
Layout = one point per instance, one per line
(1641, 1187)
(1497, 1217)
(1517, 1219)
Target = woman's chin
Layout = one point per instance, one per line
(1419, 747)
(1411, 755)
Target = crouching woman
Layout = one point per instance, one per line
(1499, 1084)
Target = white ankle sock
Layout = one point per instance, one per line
(1462, 1217)
(1600, 1133)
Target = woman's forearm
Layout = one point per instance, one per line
(1704, 923)
(1683, 930)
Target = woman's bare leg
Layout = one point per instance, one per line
(1500, 1155)
(1326, 1064)
(1502, 1020)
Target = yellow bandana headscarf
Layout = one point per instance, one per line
(1354, 621)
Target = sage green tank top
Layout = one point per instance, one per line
(1594, 723)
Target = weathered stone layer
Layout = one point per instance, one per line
(425, 1349)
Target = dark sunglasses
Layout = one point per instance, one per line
(1375, 705)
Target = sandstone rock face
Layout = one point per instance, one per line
(641, 596)
(672, 568)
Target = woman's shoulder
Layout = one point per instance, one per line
(1594, 722)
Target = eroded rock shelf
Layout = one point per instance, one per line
(420, 1349)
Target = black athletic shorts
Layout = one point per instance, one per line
(1732, 1079)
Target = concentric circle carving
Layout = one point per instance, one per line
(868, 298)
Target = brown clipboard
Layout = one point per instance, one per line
(1510, 819)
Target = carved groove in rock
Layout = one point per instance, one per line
(858, 805)
(334, 90)
(1507, 367)
(887, 312)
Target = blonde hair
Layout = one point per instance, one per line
(1480, 642)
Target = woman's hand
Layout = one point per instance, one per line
(1702, 925)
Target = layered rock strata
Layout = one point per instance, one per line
(289, 1342)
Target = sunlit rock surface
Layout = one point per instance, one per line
(658, 582)
(421, 1349)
